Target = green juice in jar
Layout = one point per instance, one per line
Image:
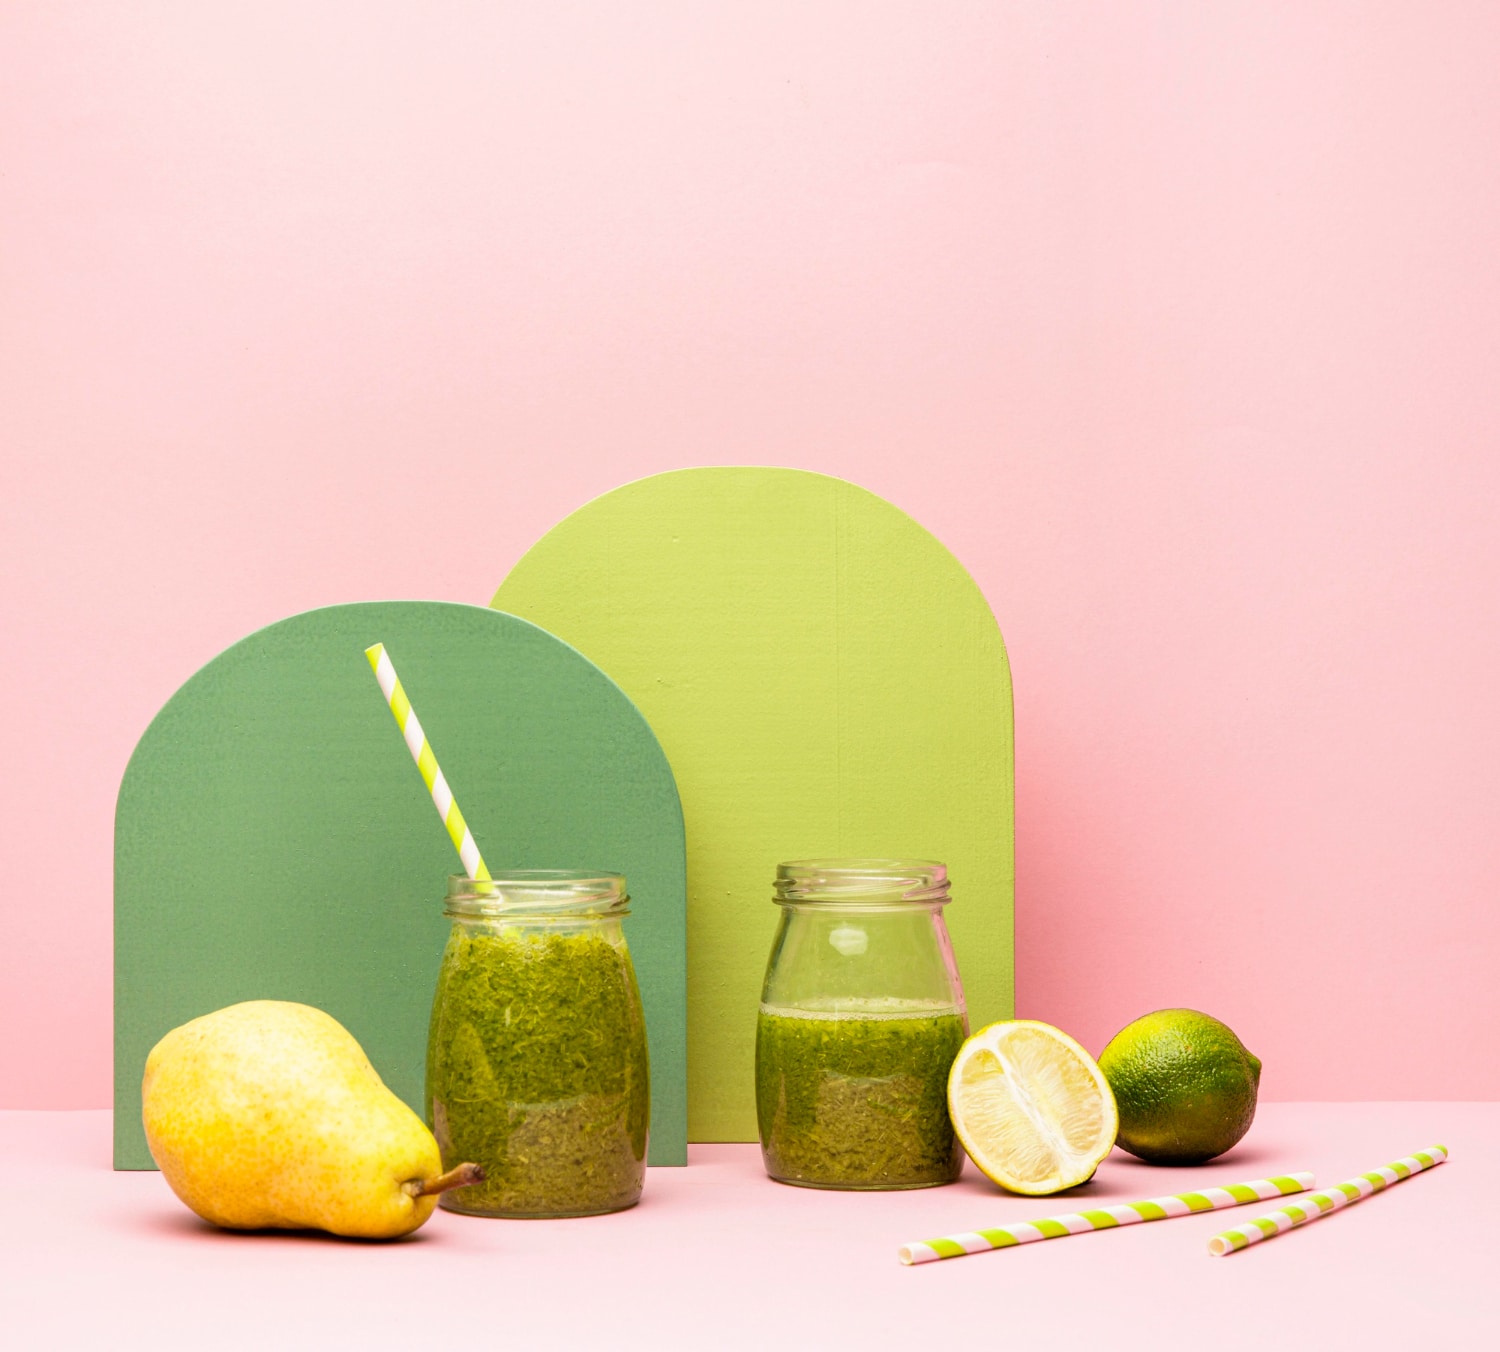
(537, 1069)
(856, 1095)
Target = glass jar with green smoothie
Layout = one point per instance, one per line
(536, 1053)
(861, 1016)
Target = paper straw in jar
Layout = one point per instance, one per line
(1104, 1218)
(421, 752)
(1318, 1204)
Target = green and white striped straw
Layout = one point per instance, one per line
(1104, 1218)
(421, 752)
(1319, 1204)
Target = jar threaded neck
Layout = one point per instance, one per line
(862, 882)
(565, 892)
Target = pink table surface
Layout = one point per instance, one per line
(716, 1256)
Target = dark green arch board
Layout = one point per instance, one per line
(274, 840)
(825, 679)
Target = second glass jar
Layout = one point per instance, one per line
(861, 1015)
(536, 1053)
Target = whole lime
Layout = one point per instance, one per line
(1185, 1086)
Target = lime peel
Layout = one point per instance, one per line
(1185, 1084)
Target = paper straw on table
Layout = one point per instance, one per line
(1319, 1204)
(1104, 1218)
(421, 752)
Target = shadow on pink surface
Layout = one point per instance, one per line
(182, 1224)
(719, 1256)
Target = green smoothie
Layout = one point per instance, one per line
(858, 1097)
(537, 1070)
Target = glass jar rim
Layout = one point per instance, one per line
(862, 882)
(538, 891)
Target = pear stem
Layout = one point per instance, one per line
(465, 1175)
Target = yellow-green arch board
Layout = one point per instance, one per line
(826, 679)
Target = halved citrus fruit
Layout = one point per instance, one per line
(1031, 1107)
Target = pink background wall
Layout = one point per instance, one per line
(1179, 323)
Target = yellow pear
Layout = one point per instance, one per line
(268, 1114)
